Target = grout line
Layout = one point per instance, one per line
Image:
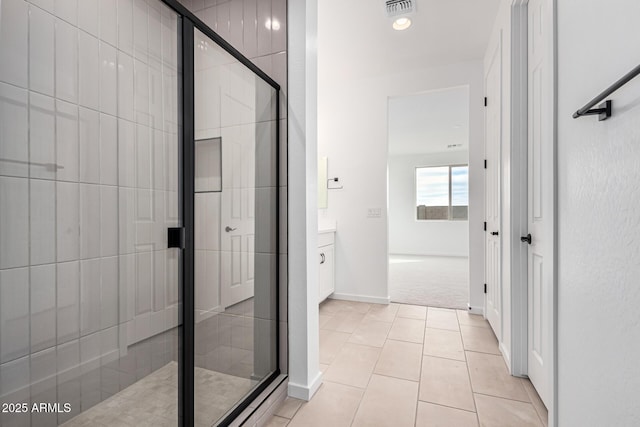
(447, 406)
(504, 398)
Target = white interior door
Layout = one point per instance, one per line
(540, 196)
(493, 137)
(237, 214)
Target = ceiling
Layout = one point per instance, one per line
(356, 37)
(429, 122)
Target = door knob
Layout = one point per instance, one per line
(322, 259)
(526, 238)
(494, 233)
(228, 229)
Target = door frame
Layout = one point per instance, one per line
(518, 221)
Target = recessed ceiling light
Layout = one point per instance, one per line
(401, 24)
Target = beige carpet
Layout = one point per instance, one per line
(429, 280)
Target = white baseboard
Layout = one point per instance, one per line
(476, 310)
(305, 392)
(361, 298)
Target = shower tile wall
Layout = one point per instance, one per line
(258, 29)
(88, 186)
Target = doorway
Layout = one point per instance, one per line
(428, 198)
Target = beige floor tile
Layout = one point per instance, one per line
(442, 319)
(537, 402)
(333, 405)
(446, 382)
(400, 359)
(489, 375)
(353, 365)
(331, 343)
(288, 408)
(388, 402)
(333, 306)
(344, 322)
(370, 332)
(411, 330)
(479, 339)
(383, 312)
(323, 368)
(497, 412)
(430, 415)
(443, 343)
(466, 318)
(276, 421)
(412, 311)
(324, 318)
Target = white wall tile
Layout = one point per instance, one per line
(141, 91)
(109, 21)
(108, 79)
(126, 153)
(140, 30)
(125, 26)
(41, 50)
(14, 314)
(89, 348)
(42, 147)
(68, 301)
(89, 146)
(43, 221)
(250, 28)
(14, 222)
(14, 27)
(67, 154)
(14, 375)
(263, 17)
(89, 70)
(207, 280)
(127, 219)
(68, 356)
(160, 282)
(207, 221)
(88, 16)
(89, 296)
(14, 131)
(47, 5)
(222, 20)
(43, 307)
(68, 221)
(125, 86)
(108, 221)
(89, 221)
(154, 31)
(209, 16)
(43, 367)
(67, 10)
(236, 30)
(108, 150)
(279, 16)
(66, 62)
(109, 292)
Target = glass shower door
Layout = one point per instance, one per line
(236, 196)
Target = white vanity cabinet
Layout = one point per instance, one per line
(326, 259)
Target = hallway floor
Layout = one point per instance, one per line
(404, 365)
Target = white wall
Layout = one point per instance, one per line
(406, 234)
(598, 221)
(352, 133)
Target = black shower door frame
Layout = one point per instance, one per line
(186, 362)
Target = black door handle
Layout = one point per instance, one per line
(526, 238)
(494, 233)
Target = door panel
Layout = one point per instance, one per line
(493, 85)
(540, 197)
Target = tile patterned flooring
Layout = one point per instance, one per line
(406, 365)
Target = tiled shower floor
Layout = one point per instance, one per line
(152, 401)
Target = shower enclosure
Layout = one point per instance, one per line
(139, 220)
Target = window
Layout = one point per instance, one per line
(442, 193)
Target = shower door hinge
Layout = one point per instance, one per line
(485, 163)
(485, 226)
(485, 101)
(485, 288)
(175, 237)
